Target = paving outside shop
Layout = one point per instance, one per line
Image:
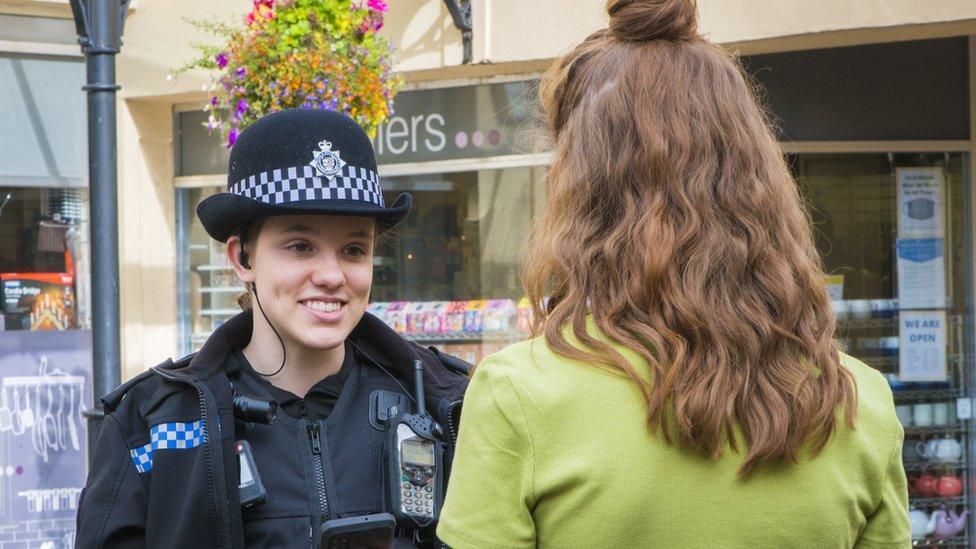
(873, 104)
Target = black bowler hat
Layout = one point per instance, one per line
(300, 161)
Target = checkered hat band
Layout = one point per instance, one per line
(304, 183)
(168, 436)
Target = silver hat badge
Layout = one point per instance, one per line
(326, 161)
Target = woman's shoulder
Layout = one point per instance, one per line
(875, 401)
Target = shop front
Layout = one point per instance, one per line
(447, 276)
(45, 319)
(878, 138)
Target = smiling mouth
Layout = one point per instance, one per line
(323, 306)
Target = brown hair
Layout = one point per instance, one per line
(673, 222)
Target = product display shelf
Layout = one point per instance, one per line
(960, 541)
(882, 323)
(926, 395)
(888, 363)
(935, 466)
(936, 430)
(219, 312)
(937, 502)
(463, 336)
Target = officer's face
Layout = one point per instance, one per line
(313, 275)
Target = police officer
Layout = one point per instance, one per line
(300, 220)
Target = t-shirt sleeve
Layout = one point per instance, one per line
(888, 526)
(490, 492)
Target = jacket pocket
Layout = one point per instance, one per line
(263, 530)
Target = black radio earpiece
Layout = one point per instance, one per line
(242, 259)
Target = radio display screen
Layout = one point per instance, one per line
(418, 452)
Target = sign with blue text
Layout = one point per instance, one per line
(922, 345)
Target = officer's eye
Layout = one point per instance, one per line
(356, 250)
(300, 247)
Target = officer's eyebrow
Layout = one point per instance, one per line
(360, 234)
(304, 229)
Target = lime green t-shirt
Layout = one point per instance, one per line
(557, 453)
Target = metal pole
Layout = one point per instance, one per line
(104, 40)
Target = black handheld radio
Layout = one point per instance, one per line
(413, 464)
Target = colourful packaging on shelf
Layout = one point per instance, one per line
(523, 316)
(38, 301)
(415, 314)
(474, 316)
(378, 309)
(498, 315)
(396, 316)
(436, 319)
(455, 316)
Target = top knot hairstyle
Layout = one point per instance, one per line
(673, 222)
(639, 21)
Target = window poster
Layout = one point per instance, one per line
(922, 346)
(921, 273)
(921, 238)
(920, 201)
(45, 385)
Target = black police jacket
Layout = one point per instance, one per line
(165, 470)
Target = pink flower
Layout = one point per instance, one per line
(377, 5)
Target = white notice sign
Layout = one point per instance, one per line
(920, 192)
(922, 346)
(921, 273)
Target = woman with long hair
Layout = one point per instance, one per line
(684, 387)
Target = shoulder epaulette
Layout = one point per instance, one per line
(111, 401)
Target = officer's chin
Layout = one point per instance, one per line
(326, 338)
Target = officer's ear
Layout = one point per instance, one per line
(239, 259)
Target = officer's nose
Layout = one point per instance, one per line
(328, 273)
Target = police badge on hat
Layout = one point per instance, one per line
(326, 161)
(269, 173)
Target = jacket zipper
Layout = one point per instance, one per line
(207, 447)
(316, 443)
(313, 436)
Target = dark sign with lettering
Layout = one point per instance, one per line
(436, 124)
(462, 122)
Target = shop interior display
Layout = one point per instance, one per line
(935, 416)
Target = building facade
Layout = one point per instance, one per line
(873, 102)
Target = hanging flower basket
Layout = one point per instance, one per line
(313, 54)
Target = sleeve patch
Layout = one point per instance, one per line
(168, 436)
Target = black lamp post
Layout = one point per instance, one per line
(99, 25)
(460, 11)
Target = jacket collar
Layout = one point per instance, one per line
(371, 337)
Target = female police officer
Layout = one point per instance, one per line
(300, 220)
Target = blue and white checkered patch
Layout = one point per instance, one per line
(168, 436)
(304, 183)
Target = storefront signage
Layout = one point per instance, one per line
(920, 193)
(461, 122)
(922, 346)
(44, 387)
(921, 242)
(921, 273)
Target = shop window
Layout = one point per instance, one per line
(446, 276)
(892, 231)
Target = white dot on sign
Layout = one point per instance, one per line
(409, 256)
(478, 138)
(461, 140)
(9, 471)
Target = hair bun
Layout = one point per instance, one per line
(642, 20)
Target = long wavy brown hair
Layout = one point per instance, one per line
(673, 222)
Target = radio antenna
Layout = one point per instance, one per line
(418, 381)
